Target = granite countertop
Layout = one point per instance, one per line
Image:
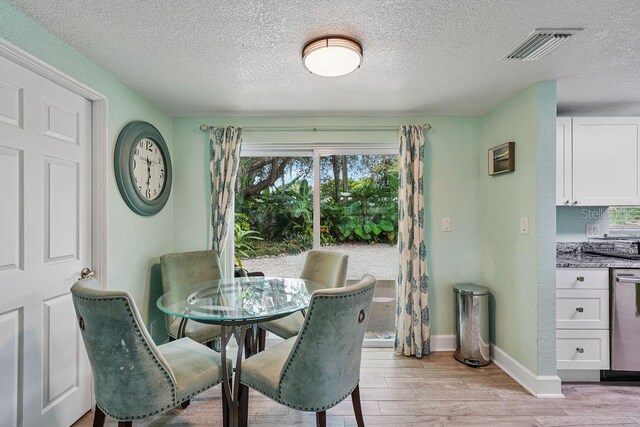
(571, 255)
(580, 260)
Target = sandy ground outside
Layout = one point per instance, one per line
(377, 259)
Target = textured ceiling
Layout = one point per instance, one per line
(203, 57)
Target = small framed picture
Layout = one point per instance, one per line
(502, 158)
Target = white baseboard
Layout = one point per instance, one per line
(543, 386)
(443, 342)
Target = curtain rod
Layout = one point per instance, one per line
(206, 128)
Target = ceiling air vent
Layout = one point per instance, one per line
(539, 43)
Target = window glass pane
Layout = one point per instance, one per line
(274, 214)
(624, 218)
(359, 216)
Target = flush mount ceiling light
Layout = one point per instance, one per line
(332, 56)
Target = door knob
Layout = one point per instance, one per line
(86, 273)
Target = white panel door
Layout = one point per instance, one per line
(563, 161)
(606, 161)
(45, 241)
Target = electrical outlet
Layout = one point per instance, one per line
(446, 224)
(593, 230)
(524, 225)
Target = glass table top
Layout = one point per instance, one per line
(241, 299)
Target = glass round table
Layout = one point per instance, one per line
(237, 305)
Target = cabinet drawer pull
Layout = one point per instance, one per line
(580, 278)
(579, 309)
(580, 350)
(567, 202)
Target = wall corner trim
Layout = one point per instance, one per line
(541, 386)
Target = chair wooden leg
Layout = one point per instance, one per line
(185, 404)
(357, 408)
(125, 423)
(248, 343)
(243, 406)
(225, 407)
(262, 339)
(98, 417)
(321, 419)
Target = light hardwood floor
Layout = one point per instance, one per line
(435, 390)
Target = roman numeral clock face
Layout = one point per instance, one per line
(148, 169)
(142, 167)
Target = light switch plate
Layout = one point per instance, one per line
(446, 224)
(592, 230)
(524, 225)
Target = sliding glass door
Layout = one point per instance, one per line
(335, 199)
(274, 214)
(359, 216)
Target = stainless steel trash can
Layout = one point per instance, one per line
(472, 324)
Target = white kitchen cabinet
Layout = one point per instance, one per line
(582, 349)
(563, 161)
(598, 161)
(582, 278)
(606, 161)
(582, 320)
(582, 309)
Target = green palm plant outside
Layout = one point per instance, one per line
(243, 237)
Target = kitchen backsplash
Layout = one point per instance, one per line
(571, 222)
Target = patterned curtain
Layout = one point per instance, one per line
(412, 306)
(223, 167)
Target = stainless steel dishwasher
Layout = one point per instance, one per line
(625, 320)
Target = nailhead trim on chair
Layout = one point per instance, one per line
(300, 408)
(149, 351)
(293, 354)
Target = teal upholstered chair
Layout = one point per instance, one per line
(184, 272)
(328, 268)
(320, 367)
(133, 378)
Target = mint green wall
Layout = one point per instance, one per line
(513, 265)
(484, 243)
(451, 171)
(134, 241)
(546, 201)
